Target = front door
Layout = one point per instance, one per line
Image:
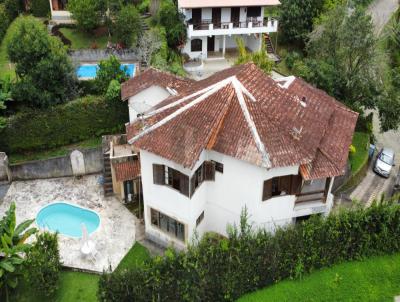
(235, 16)
(210, 43)
(216, 17)
(196, 17)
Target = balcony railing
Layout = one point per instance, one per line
(207, 24)
(311, 196)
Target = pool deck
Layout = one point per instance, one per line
(114, 237)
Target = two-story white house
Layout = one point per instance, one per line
(236, 139)
(213, 25)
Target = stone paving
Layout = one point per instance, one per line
(116, 233)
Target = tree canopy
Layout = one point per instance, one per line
(127, 26)
(87, 13)
(109, 70)
(45, 75)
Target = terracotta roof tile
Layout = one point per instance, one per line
(127, 170)
(243, 113)
(151, 77)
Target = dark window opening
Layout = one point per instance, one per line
(253, 11)
(283, 185)
(168, 224)
(218, 166)
(200, 218)
(205, 172)
(196, 45)
(163, 175)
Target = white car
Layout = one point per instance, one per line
(384, 162)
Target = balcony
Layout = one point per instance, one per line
(250, 26)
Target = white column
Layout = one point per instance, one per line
(223, 45)
(260, 43)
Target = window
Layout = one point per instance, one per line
(196, 45)
(168, 224)
(200, 218)
(253, 11)
(163, 175)
(205, 172)
(218, 166)
(283, 185)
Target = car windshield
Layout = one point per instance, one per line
(386, 158)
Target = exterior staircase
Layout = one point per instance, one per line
(270, 49)
(145, 27)
(107, 178)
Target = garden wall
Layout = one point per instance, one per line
(96, 55)
(57, 166)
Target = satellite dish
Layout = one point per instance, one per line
(140, 107)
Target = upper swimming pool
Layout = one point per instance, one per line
(89, 71)
(67, 219)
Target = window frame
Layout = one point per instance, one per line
(286, 183)
(199, 47)
(173, 227)
(256, 10)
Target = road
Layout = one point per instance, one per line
(373, 185)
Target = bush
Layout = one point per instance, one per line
(4, 21)
(173, 21)
(43, 264)
(109, 70)
(40, 8)
(64, 124)
(87, 13)
(220, 269)
(127, 26)
(291, 58)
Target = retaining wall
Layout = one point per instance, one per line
(57, 166)
(96, 55)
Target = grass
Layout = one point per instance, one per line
(358, 159)
(73, 286)
(136, 256)
(82, 40)
(6, 68)
(77, 286)
(375, 279)
(61, 151)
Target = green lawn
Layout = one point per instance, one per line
(61, 151)
(82, 40)
(375, 279)
(361, 142)
(77, 286)
(6, 68)
(136, 256)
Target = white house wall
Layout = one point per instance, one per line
(146, 99)
(222, 200)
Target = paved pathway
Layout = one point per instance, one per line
(115, 235)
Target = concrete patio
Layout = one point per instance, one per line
(115, 235)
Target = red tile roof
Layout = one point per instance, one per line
(128, 170)
(243, 113)
(151, 77)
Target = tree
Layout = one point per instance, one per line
(297, 17)
(43, 264)
(4, 21)
(40, 8)
(109, 70)
(12, 249)
(5, 96)
(149, 44)
(173, 21)
(344, 60)
(127, 25)
(45, 75)
(87, 13)
(113, 91)
(260, 58)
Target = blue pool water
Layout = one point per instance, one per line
(90, 70)
(67, 219)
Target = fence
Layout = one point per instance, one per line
(96, 55)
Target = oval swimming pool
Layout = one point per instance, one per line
(67, 219)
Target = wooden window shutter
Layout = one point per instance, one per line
(267, 189)
(158, 174)
(327, 185)
(286, 184)
(297, 182)
(184, 188)
(209, 170)
(193, 184)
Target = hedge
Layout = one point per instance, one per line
(63, 124)
(223, 269)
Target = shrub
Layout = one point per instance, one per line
(4, 21)
(109, 70)
(43, 264)
(87, 13)
(64, 124)
(291, 58)
(221, 269)
(127, 25)
(113, 91)
(352, 150)
(40, 8)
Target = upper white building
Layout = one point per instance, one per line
(213, 25)
(59, 12)
(237, 139)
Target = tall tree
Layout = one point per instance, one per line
(45, 75)
(173, 21)
(127, 26)
(344, 60)
(87, 13)
(297, 17)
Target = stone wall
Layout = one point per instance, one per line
(96, 55)
(3, 166)
(58, 166)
